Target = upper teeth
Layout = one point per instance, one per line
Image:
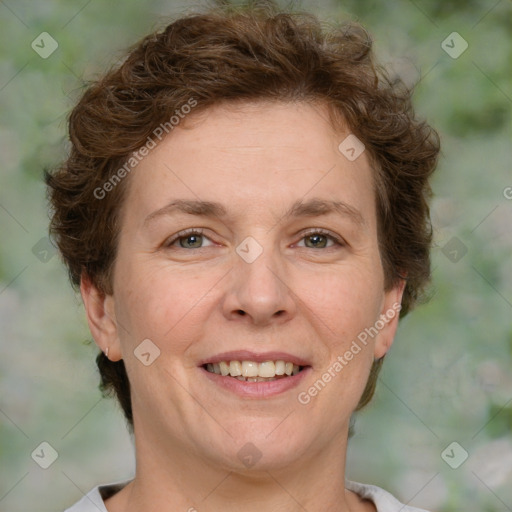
(253, 369)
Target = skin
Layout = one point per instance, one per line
(194, 301)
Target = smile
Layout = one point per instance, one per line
(255, 375)
(252, 371)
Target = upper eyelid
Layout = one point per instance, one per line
(183, 234)
(324, 232)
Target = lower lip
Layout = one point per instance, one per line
(257, 389)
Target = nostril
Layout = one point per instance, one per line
(241, 312)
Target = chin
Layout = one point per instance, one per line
(258, 445)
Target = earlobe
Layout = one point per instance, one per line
(389, 317)
(99, 309)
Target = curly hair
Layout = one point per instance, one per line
(229, 54)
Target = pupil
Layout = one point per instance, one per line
(315, 239)
(192, 240)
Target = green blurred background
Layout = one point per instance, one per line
(448, 377)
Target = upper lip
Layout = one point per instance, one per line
(258, 357)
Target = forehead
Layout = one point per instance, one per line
(253, 157)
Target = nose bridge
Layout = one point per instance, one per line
(258, 282)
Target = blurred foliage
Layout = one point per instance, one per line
(448, 375)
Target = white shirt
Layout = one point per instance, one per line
(383, 500)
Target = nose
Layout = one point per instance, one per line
(259, 292)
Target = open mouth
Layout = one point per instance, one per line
(251, 371)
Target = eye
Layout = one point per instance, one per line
(194, 239)
(188, 239)
(319, 239)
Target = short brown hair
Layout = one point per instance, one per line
(226, 55)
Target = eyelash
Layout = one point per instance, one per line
(199, 231)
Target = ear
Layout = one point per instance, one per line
(388, 319)
(100, 311)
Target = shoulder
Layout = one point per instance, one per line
(383, 500)
(93, 501)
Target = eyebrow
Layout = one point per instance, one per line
(310, 208)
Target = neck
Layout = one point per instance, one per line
(170, 480)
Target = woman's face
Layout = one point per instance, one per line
(249, 236)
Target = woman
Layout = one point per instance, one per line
(245, 212)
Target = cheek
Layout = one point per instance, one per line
(343, 305)
(168, 307)
(345, 301)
